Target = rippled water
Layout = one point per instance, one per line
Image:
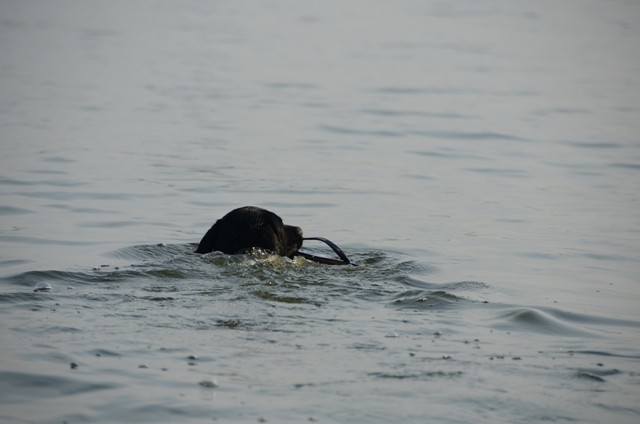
(479, 161)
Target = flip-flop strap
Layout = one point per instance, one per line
(333, 246)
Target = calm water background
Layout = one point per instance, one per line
(479, 160)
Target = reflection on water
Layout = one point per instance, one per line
(478, 161)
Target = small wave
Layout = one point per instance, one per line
(420, 113)
(437, 294)
(12, 210)
(20, 297)
(626, 165)
(465, 286)
(385, 264)
(605, 354)
(590, 376)
(450, 135)
(409, 90)
(111, 224)
(13, 262)
(421, 299)
(594, 145)
(537, 320)
(157, 251)
(501, 172)
(284, 298)
(361, 132)
(598, 375)
(42, 241)
(445, 154)
(424, 375)
(55, 280)
(584, 319)
(18, 386)
(411, 281)
(478, 136)
(33, 279)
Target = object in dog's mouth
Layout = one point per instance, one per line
(251, 227)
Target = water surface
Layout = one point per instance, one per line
(480, 163)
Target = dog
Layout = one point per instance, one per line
(248, 227)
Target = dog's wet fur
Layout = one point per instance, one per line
(251, 227)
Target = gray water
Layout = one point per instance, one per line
(479, 161)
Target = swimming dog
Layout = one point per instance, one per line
(249, 227)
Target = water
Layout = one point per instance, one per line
(479, 161)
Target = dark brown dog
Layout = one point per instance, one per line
(248, 227)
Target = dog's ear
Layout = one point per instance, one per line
(275, 239)
(208, 242)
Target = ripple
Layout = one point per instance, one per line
(13, 262)
(87, 210)
(284, 298)
(597, 374)
(360, 132)
(501, 172)
(11, 181)
(20, 297)
(40, 240)
(48, 182)
(103, 274)
(561, 111)
(626, 165)
(605, 354)
(18, 386)
(285, 85)
(58, 159)
(536, 320)
(453, 135)
(105, 352)
(119, 224)
(11, 210)
(424, 90)
(407, 90)
(420, 113)
(421, 299)
(82, 195)
(424, 375)
(448, 154)
(154, 251)
(594, 145)
(479, 136)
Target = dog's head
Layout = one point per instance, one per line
(248, 227)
